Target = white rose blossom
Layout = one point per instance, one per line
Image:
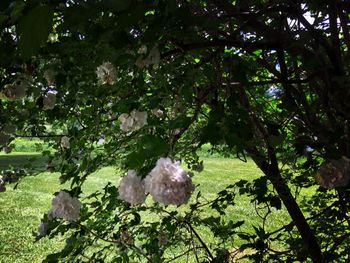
(106, 73)
(133, 121)
(131, 189)
(64, 206)
(65, 142)
(168, 183)
(49, 76)
(13, 92)
(153, 58)
(49, 100)
(157, 112)
(142, 49)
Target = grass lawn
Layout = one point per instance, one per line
(21, 209)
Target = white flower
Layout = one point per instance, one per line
(133, 121)
(153, 58)
(140, 119)
(126, 122)
(13, 92)
(176, 131)
(64, 206)
(42, 229)
(49, 100)
(106, 73)
(142, 49)
(65, 142)
(49, 76)
(157, 112)
(101, 141)
(131, 188)
(168, 183)
(335, 173)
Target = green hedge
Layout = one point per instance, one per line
(29, 145)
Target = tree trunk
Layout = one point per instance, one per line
(273, 174)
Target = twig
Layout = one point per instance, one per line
(200, 240)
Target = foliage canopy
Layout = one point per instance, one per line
(263, 79)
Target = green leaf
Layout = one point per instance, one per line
(154, 146)
(135, 160)
(136, 220)
(179, 122)
(34, 29)
(276, 202)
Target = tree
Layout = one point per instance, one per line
(264, 79)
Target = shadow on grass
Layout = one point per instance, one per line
(33, 162)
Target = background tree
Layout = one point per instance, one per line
(264, 79)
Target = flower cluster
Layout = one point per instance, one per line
(153, 58)
(131, 189)
(13, 92)
(167, 183)
(335, 173)
(64, 206)
(106, 73)
(142, 49)
(65, 142)
(49, 100)
(133, 121)
(49, 76)
(157, 112)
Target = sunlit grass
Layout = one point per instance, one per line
(21, 209)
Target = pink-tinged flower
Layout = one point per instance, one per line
(133, 121)
(106, 73)
(64, 206)
(168, 183)
(49, 100)
(65, 142)
(131, 189)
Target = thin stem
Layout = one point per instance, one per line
(200, 240)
